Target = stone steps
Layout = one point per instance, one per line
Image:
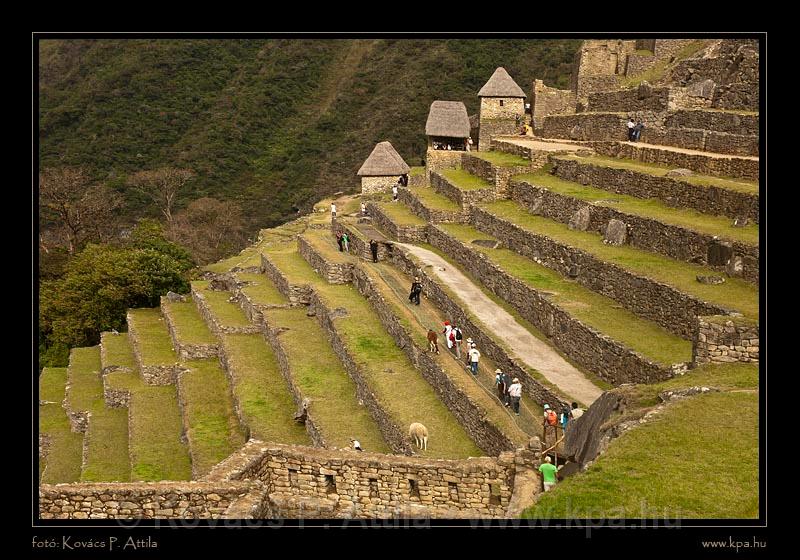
(649, 225)
(589, 328)
(319, 249)
(190, 336)
(60, 449)
(105, 440)
(705, 194)
(152, 346)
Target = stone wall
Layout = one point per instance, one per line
(645, 233)
(667, 48)
(590, 348)
(162, 374)
(643, 98)
(638, 63)
(597, 64)
(496, 108)
(672, 190)
(732, 166)
(470, 414)
(334, 273)
(370, 185)
(652, 300)
(550, 101)
(410, 199)
(436, 160)
(297, 295)
(463, 198)
(707, 141)
(494, 174)
(717, 121)
(496, 127)
(594, 126)
(403, 233)
(186, 351)
(433, 290)
(135, 500)
(213, 322)
(725, 339)
(359, 245)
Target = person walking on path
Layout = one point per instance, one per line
(576, 411)
(515, 392)
(346, 242)
(474, 356)
(333, 211)
(637, 131)
(339, 241)
(404, 180)
(507, 383)
(565, 410)
(458, 338)
(416, 290)
(548, 470)
(630, 126)
(501, 385)
(550, 420)
(363, 209)
(373, 247)
(466, 354)
(446, 332)
(394, 193)
(433, 341)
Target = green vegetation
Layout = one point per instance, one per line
(227, 314)
(117, 350)
(739, 185)
(286, 258)
(214, 431)
(434, 201)
(595, 310)
(63, 461)
(734, 294)
(418, 170)
(264, 399)
(152, 337)
(648, 208)
(400, 214)
(464, 180)
(659, 69)
(261, 290)
(319, 376)
(501, 159)
(188, 323)
(323, 242)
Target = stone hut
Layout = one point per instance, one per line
(502, 108)
(382, 169)
(448, 126)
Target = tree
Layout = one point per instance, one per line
(210, 229)
(161, 185)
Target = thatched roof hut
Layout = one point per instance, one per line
(449, 119)
(383, 161)
(501, 85)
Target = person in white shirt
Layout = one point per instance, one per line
(356, 444)
(363, 209)
(576, 412)
(515, 392)
(333, 210)
(474, 356)
(631, 125)
(446, 332)
(394, 193)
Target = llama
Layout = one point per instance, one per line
(420, 435)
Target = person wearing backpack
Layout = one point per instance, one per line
(515, 392)
(550, 419)
(565, 410)
(458, 340)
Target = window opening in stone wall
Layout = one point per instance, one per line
(494, 496)
(294, 480)
(501, 102)
(453, 491)
(373, 488)
(330, 484)
(413, 488)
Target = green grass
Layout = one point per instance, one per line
(265, 400)
(155, 344)
(680, 464)
(433, 200)
(324, 243)
(501, 159)
(400, 214)
(293, 266)
(117, 350)
(63, 463)
(188, 323)
(261, 290)
(649, 208)
(464, 180)
(107, 444)
(319, 376)
(643, 52)
(214, 431)
(595, 310)
(419, 170)
(734, 294)
(729, 183)
(227, 314)
(52, 383)
(400, 388)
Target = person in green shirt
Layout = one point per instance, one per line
(548, 470)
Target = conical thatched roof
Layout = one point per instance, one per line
(447, 118)
(501, 85)
(383, 161)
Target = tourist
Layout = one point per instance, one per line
(346, 242)
(339, 241)
(637, 131)
(528, 130)
(550, 420)
(548, 470)
(506, 383)
(394, 193)
(474, 356)
(446, 332)
(576, 412)
(466, 354)
(333, 210)
(356, 444)
(416, 290)
(565, 410)
(500, 384)
(363, 209)
(458, 337)
(631, 125)
(373, 247)
(469, 144)
(433, 341)
(515, 392)
(404, 180)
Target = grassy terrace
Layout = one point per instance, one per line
(106, 457)
(213, 429)
(652, 471)
(155, 345)
(418, 319)
(319, 375)
(260, 289)
(291, 264)
(647, 208)
(227, 314)
(265, 401)
(433, 200)
(189, 325)
(464, 180)
(501, 159)
(600, 312)
(117, 350)
(400, 214)
(738, 185)
(251, 256)
(420, 170)
(325, 244)
(733, 294)
(63, 463)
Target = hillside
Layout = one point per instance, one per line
(272, 124)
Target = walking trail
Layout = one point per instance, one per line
(524, 346)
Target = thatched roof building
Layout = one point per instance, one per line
(448, 119)
(383, 161)
(501, 85)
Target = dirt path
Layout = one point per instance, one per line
(523, 344)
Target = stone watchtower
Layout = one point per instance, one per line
(447, 129)
(382, 169)
(502, 108)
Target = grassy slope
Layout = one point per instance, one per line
(464, 180)
(501, 159)
(117, 350)
(153, 339)
(189, 325)
(433, 200)
(228, 314)
(63, 463)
